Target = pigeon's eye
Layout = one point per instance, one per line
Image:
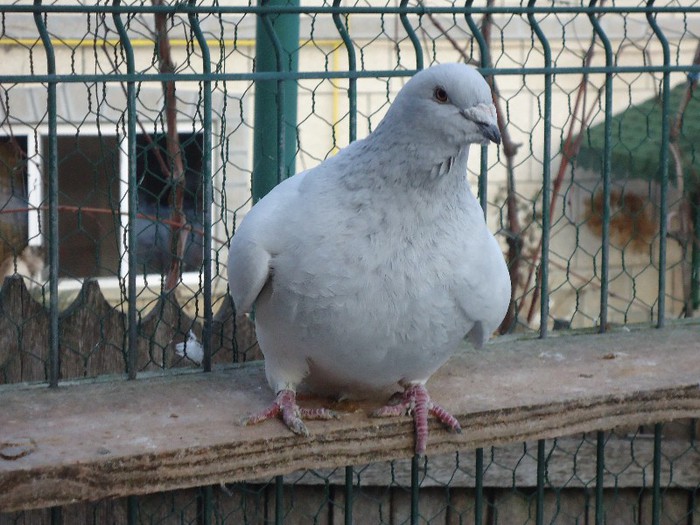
(440, 95)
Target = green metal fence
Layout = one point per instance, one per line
(132, 134)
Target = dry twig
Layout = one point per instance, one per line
(178, 221)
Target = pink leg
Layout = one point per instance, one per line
(285, 405)
(416, 400)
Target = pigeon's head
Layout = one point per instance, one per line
(451, 103)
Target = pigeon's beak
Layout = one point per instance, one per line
(490, 131)
(484, 116)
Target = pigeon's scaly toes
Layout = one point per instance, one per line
(285, 406)
(387, 225)
(416, 401)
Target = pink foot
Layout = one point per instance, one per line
(285, 405)
(416, 400)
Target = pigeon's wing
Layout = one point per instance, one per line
(248, 269)
(484, 294)
(256, 240)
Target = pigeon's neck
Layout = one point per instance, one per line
(393, 177)
(420, 164)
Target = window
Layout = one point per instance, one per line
(89, 205)
(155, 196)
(93, 204)
(14, 235)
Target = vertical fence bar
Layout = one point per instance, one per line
(206, 497)
(56, 513)
(349, 473)
(695, 251)
(607, 166)
(546, 171)
(599, 478)
(415, 489)
(541, 464)
(417, 48)
(484, 62)
(352, 67)
(483, 201)
(279, 500)
(415, 462)
(273, 156)
(52, 174)
(663, 160)
(546, 225)
(352, 136)
(132, 510)
(207, 494)
(132, 192)
(479, 487)
(268, 149)
(207, 186)
(656, 490)
(605, 243)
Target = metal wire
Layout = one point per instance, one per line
(207, 191)
(485, 62)
(606, 170)
(132, 195)
(546, 173)
(52, 170)
(600, 478)
(219, 77)
(663, 163)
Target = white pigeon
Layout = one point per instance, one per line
(368, 270)
(192, 349)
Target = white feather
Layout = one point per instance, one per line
(369, 269)
(191, 349)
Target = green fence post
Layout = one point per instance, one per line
(695, 264)
(51, 166)
(352, 68)
(207, 188)
(132, 193)
(546, 171)
(663, 160)
(607, 170)
(274, 136)
(485, 62)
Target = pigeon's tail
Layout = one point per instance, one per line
(477, 335)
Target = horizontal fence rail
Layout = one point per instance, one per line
(134, 136)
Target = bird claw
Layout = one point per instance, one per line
(295, 424)
(286, 407)
(399, 409)
(416, 402)
(318, 413)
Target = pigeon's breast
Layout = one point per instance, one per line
(368, 302)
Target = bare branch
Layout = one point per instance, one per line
(457, 47)
(686, 236)
(570, 149)
(510, 149)
(178, 234)
(164, 168)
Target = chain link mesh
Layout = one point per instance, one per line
(619, 228)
